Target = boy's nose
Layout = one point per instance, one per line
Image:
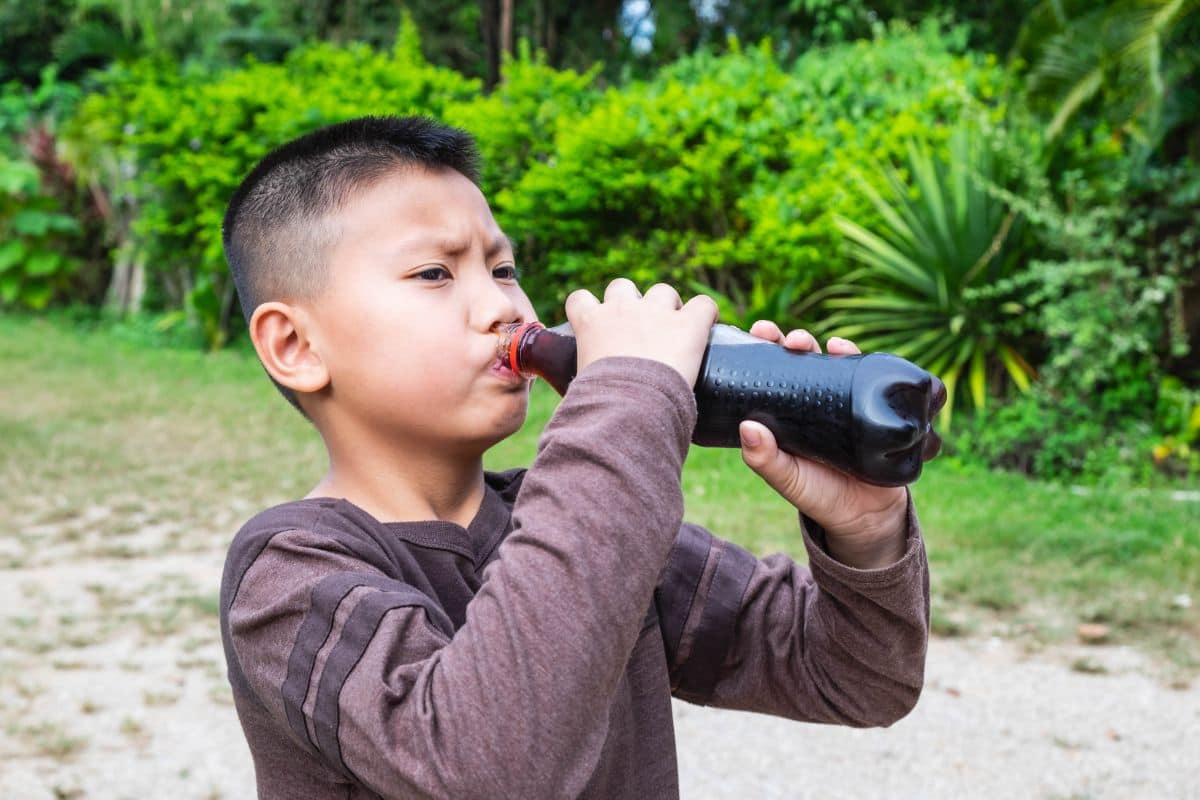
(496, 307)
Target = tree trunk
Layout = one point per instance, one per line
(489, 30)
(506, 27)
(128, 284)
(227, 301)
(539, 24)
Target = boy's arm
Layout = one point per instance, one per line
(360, 669)
(827, 643)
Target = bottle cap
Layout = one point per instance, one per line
(514, 342)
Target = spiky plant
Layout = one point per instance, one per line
(942, 239)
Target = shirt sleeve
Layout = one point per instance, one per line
(824, 643)
(363, 670)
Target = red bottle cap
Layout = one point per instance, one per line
(515, 342)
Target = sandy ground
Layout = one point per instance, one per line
(112, 686)
(992, 722)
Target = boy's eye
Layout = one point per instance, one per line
(508, 272)
(435, 272)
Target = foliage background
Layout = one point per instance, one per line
(795, 160)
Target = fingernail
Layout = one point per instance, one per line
(750, 437)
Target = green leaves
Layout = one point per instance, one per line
(941, 234)
(726, 173)
(35, 236)
(12, 253)
(1078, 51)
(34, 222)
(172, 143)
(763, 301)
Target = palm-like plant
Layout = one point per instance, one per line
(917, 292)
(1077, 49)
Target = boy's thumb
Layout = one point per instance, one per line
(762, 454)
(758, 444)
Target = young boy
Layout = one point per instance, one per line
(418, 627)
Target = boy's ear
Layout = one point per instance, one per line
(280, 333)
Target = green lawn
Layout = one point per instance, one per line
(93, 415)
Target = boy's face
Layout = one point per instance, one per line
(421, 276)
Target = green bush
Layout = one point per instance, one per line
(1105, 303)
(721, 174)
(38, 231)
(172, 144)
(34, 234)
(924, 289)
(724, 173)
(1092, 412)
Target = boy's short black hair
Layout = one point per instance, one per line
(278, 225)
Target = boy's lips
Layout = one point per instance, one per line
(501, 370)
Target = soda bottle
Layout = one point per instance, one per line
(868, 415)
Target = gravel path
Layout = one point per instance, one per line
(992, 722)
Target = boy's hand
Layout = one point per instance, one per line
(865, 524)
(657, 326)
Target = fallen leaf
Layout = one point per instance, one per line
(1093, 633)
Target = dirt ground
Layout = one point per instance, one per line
(112, 686)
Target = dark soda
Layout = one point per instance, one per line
(868, 415)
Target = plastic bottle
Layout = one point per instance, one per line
(868, 415)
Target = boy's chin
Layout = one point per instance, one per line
(508, 428)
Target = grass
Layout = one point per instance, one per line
(52, 740)
(103, 423)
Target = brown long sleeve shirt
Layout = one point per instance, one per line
(534, 653)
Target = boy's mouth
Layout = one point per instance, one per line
(501, 369)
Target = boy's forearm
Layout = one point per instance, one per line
(829, 643)
(562, 605)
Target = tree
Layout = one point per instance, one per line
(1079, 52)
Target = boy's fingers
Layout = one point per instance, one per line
(703, 306)
(802, 340)
(666, 292)
(842, 347)
(798, 339)
(761, 453)
(765, 329)
(621, 288)
(579, 301)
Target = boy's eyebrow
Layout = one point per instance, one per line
(456, 246)
(499, 244)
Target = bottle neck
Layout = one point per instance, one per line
(511, 339)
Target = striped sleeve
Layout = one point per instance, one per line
(302, 640)
(365, 671)
(819, 643)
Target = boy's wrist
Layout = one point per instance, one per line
(876, 542)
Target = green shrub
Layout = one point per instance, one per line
(173, 144)
(1104, 303)
(1092, 411)
(35, 267)
(1177, 452)
(38, 231)
(923, 289)
(721, 174)
(724, 174)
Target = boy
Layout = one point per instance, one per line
(418, 627)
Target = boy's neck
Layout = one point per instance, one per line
(408, 489)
